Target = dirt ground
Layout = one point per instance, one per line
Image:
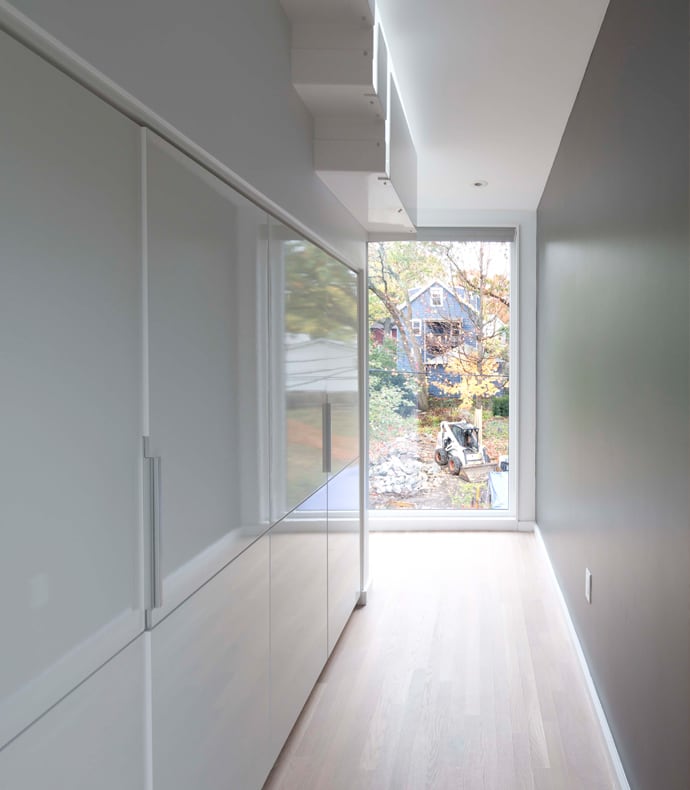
(441, 490)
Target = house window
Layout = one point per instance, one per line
(417, 327)
(436, 297)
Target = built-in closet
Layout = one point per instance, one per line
(179, 473)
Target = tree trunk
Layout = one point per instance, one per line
(412, 350)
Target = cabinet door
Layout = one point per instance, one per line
(210, 676)
(343, 549)
(206, 423)
(342, 388)
(70, 353)
(341, 364)
(299, 352)
(298, 611)
(93, 738)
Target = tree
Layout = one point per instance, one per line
(319, 293)
(482, 360)
(395, 268)
(384, 375)
(476, 357)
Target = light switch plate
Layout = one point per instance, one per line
(588, 585)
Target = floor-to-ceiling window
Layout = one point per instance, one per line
(440, 375)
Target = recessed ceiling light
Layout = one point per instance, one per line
(480, 183)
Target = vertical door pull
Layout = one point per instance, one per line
(155, 528)
(156, 534)
(326, 432)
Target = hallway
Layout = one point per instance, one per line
(459, 673)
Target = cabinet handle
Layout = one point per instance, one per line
(156, 535)
(155, 528)
(326, 432)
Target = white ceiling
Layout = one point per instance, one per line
(488, 86)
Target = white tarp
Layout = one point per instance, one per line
(498, 490)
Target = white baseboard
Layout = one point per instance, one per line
(526, 526)
(601, 716)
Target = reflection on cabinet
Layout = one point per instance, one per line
(314, 350)
(315, 570)
(70, 336)
(297, 368)
(210, 675)
(94, 738)
(201, 236)
(343, 550)
(298, 611)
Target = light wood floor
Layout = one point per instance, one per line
(458, 674)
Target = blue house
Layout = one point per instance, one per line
(442, 319)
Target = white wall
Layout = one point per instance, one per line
(613, 397)
(219, 73)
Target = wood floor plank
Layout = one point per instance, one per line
(458, 675)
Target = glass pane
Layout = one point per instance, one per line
(439, 375)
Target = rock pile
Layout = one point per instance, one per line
(402, 471)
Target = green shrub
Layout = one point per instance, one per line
(384, 418)
(383, 374)
(499, 406)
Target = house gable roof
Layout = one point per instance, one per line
(415, 293)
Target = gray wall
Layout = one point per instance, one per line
(612, 403)
(219, 72)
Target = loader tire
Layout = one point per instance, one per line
(440, 456)
(454, 464)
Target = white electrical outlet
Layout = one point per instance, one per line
(588, 585)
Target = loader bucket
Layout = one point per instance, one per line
(478, 473)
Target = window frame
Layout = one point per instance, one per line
(521, 484)
(436, 291)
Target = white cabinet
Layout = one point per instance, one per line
(70, 352)
(363, 147)
(340, 68)
(343, 549)
(299, 356)
(210, 678)
(342, 394)
(339, 330)
(202, 238)
(339, 11)
(136, 301)
(314, 364)
(299, 638)
(94, 738)
(315, 572)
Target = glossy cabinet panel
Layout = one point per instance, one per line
(298, 357)
(137, 299)
(298, 611)
(94, 738)
(70, 353)
(210, 669)
(201, 234)
(341, 368)
(343, 549)
(315, 410)
(314, 330)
